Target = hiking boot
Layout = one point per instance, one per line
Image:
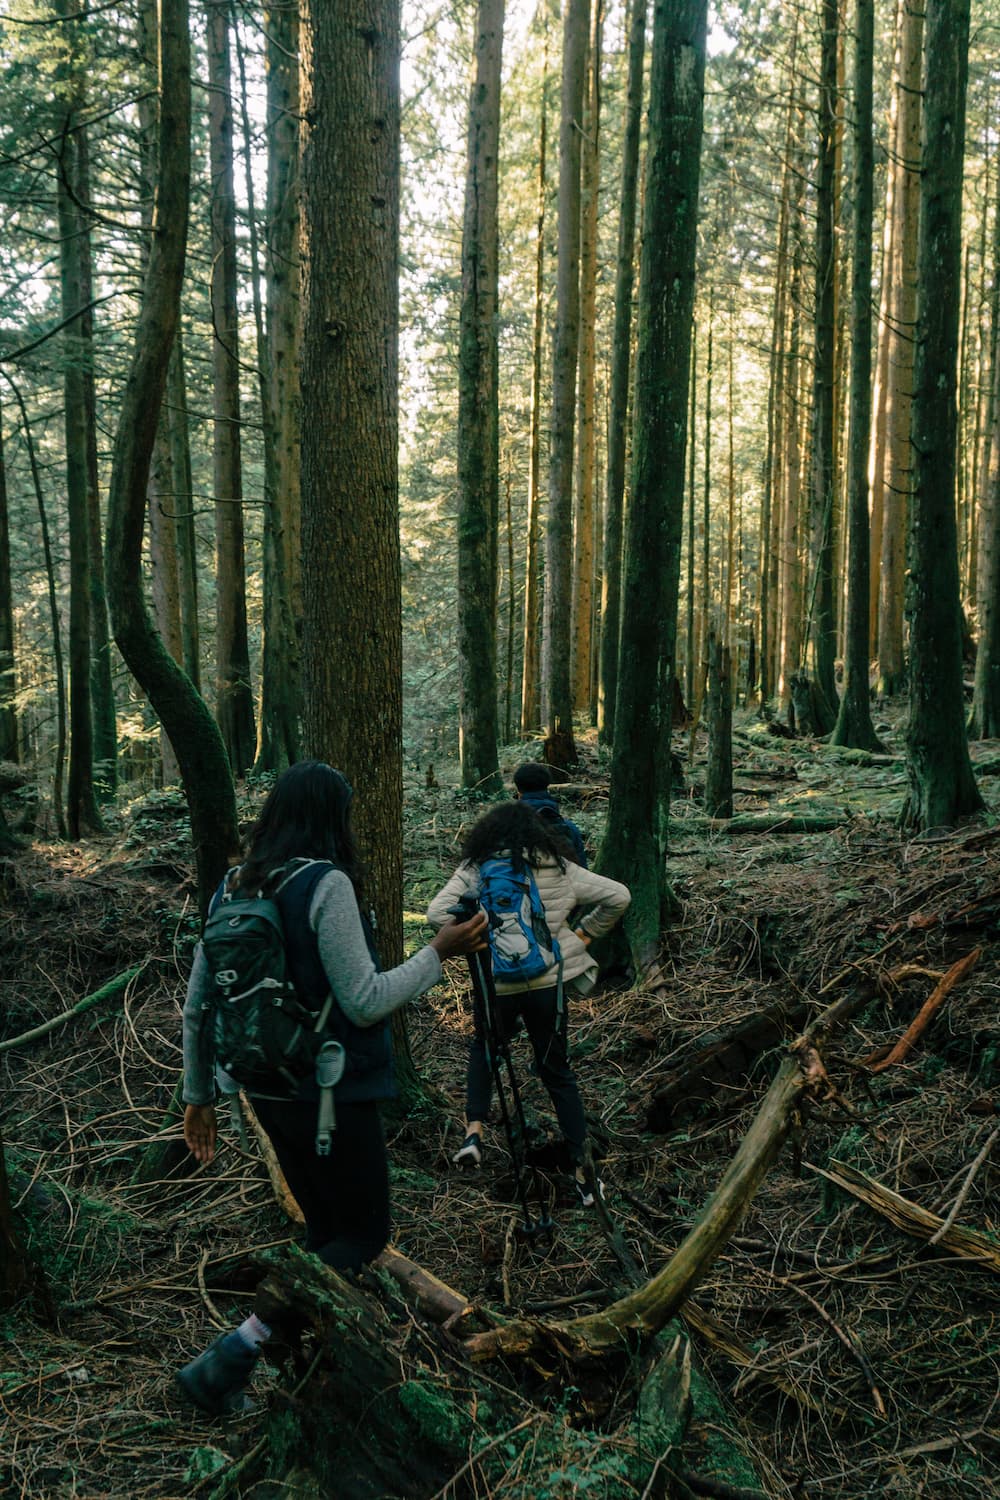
(217, 1380)
(470, 1153)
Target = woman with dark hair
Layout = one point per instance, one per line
(302, 854)
(514, 831)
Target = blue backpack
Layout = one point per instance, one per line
(521, 945)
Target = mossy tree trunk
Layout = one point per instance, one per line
(942, 786)
(557, 689)
(621, 361)
(854, 720)
(635, 844)
(191, 728)
(479, 416)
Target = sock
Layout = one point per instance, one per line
(253, 1332)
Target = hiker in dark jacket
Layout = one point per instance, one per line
(302, 852)
(514, 830)
(531, 782)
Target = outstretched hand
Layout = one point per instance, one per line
(460, 937)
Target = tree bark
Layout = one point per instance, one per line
(234, 697)
(192, 730)
(823, 631)
(352, 655)
(719, 770)
(942, 786)
(586, 446)
(183, 507)
(621, 358)
(984, 719)
(854, 723)
(557, 688)
(903, 273)
(9, 748)
(479, 416)
(635, 842)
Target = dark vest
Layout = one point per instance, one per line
(368, 1073)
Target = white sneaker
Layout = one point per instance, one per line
(587, 1193)
(470, 1154)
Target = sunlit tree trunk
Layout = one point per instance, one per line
(823, 628)
(621, 355)
(942, 786)
(278, 724)
(583, 567)
(854, 724)
(557, 687)
(900, 332)
(531, 706)
(234, 698)
(479, 416)
(635, 842)
(984, 720)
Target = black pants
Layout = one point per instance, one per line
(538, 1010)
(344, 1196)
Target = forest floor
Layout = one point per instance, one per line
(848, 1355)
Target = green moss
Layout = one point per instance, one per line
(435, 1415)
(77, 1241)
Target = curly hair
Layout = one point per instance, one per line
(515, 828)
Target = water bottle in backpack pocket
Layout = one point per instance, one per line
(521, 946)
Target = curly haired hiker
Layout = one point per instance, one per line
(515, 833)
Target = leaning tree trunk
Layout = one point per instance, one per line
(479, 416)
(635, 843)
(191, 728)
(557, 689)
(621, 357)
(854, 721)
(942, 786)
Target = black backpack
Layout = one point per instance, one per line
(264, 1037)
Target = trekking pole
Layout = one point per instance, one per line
(497, 1050)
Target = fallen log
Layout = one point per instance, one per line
(109, 991)
(642, 1313)
(765, 823)
(697, 1070)
(910, 1217)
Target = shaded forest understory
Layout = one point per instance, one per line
(837, 1352)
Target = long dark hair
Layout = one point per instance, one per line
(307, 814)
(515, 828)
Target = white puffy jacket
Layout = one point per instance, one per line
(603, 901)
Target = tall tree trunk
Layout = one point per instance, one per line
(791, 572)
(900, 379)
(984, 719)
(823, 626)
(557, 688)
(942, 786)
(277, 359)
(350, 491)
(192, 730)
(479, 416)
(621, 356)
(854, 722)
(50, 577)
(234, 697)
(689, 655)
(531, 705)
(180, 467)
(583, 563)
(165, 578)
(635, 843)
(102, 688)
(9, 749)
